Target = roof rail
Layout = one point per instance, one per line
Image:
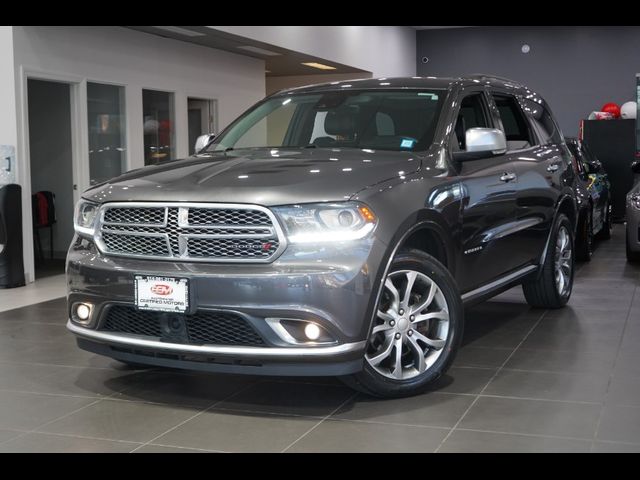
(492, 77)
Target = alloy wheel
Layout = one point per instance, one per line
(563, 263)
(412, 325)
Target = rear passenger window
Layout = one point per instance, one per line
(514, 123)
(544, 122)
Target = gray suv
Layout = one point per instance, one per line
(335, 230)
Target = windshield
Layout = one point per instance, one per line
(382, 120)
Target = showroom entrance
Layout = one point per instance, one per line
(51, 165)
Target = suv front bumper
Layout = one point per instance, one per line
(332, 286)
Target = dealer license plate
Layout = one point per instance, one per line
(162, 294)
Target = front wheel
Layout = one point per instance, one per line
(417, 329)
(552, 287)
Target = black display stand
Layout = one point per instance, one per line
(11, 265)
(614, 143)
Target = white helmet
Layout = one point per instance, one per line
(629, 110)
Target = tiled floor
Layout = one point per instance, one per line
(525, 380)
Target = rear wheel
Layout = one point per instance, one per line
(632, 256)
(417, 329)
(552, 287)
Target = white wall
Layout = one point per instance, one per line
(383, 50)
(290, 81)
(8, 118)
(133, 59)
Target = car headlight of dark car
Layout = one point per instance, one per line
(84, 218)
(326, 222)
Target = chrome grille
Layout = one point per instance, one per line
(196, 232)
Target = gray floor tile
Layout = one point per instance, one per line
(463, 380)
(235, 431)
(41, 332)
(117, 420)
(541, 339)
(628, 362)
(46, 443)
(540, 417)
(162, 449)
(577, 361)
(25, 411)
(624, 390)
(198, 390)
(482, 357)
(620, 424)
(289, 398)
(552, 386)
(8, 435)
(615, 447)
(431, 409)
(56, 354)
(465, 441)
(345, 436)
(24, 377)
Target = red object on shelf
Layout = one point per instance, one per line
(612, 108)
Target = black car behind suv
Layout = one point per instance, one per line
(335, 229)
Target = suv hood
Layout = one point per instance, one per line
(259, 176)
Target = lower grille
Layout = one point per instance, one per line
(210, 328)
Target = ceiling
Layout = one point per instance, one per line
(278, 61)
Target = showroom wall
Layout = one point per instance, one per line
(383, 50)
(8, 130)
(577, 69)
(135, 60)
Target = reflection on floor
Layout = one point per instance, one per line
(48, 267)
(525, 380)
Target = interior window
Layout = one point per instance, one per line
(515, 126)
(472, 114)
(544, 122)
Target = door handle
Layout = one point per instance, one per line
(553, 167)
(507, 177)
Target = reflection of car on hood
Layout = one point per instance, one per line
(595, 209)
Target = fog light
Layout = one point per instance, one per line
(83, 311)
(312, 331)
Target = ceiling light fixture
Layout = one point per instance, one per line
(319, 66)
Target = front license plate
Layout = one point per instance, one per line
(162, 294)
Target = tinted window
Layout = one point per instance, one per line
(472, 114)
(516, 128)
(544, 122)
(384, 120)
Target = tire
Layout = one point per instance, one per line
(543, 291)
(633, 257)
(584, 242)
(434, 292)
(607, 226)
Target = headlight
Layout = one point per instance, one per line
(635, 200)
(84, 219)
(326, 222)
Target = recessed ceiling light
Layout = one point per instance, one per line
(182, 31)
(320, 66)
(258, 50)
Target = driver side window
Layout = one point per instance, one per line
(472, 114)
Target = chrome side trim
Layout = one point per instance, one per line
(498, 283)
(182, 206)
(259, 352)
(511, 228)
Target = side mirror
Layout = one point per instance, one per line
(635, 167)
(202, 141)
(482, 143)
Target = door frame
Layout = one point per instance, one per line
(79, 145)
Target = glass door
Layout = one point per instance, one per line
(201, 119)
